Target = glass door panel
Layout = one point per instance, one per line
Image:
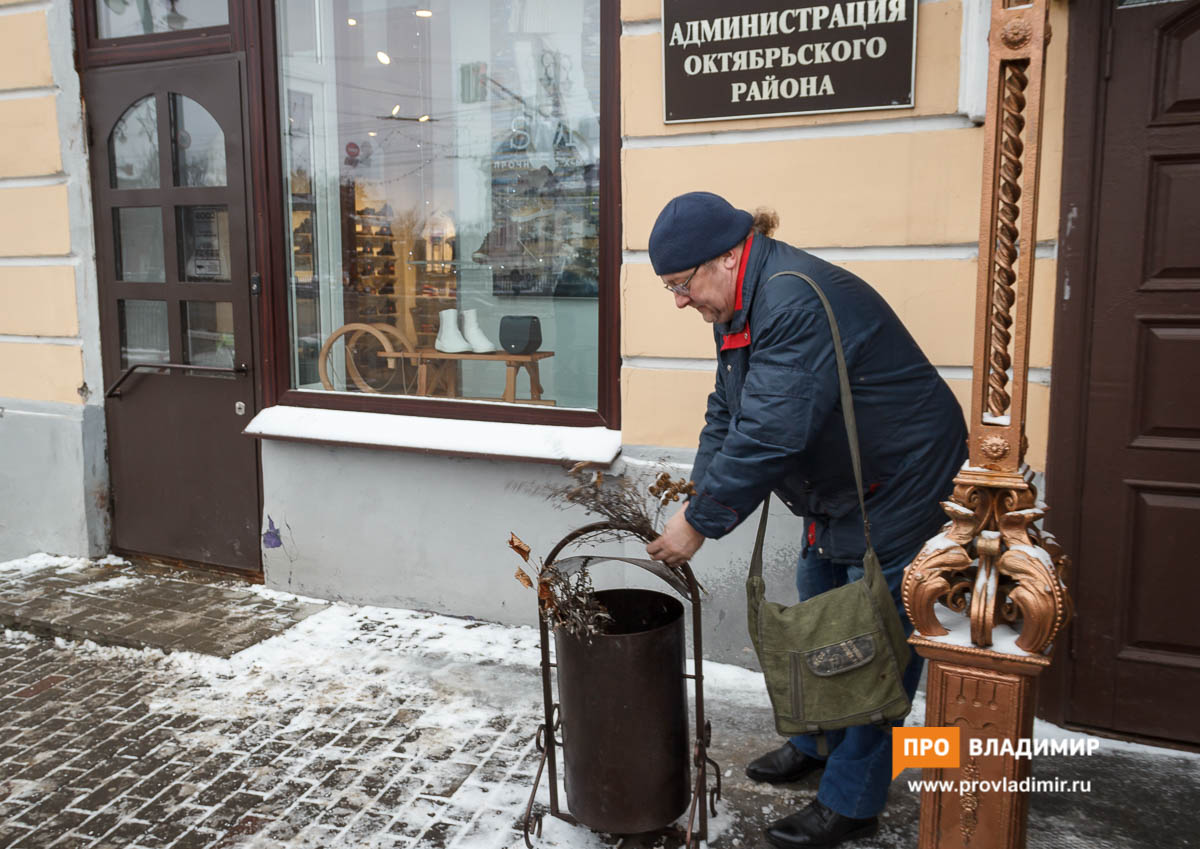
(204, 246)
(197, 144)
(138, 233)
(133, 147)
(208, 334)
(143, 331)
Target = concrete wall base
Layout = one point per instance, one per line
(53, 479)
(401, 529)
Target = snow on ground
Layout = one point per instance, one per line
(460, 674)
(37, 562)
(60, 563)
(118, 583)
(457, 675)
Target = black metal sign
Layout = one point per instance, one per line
(750, 58)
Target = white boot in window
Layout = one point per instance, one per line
(449, 340)
(474, 334)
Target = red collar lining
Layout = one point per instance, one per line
(742, 338)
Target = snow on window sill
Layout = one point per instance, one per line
(438, 436)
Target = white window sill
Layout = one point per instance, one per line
(438, 436)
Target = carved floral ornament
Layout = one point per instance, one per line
(994, 447)
(994, 565)
(1016, 33)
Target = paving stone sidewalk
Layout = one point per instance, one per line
(336, 726)
(142, 606)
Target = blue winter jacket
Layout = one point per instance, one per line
(774, 420)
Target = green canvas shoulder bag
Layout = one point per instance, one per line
(837, 659)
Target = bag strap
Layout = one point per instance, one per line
(847, 402)
(756, 556)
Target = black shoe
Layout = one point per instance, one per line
(818, 826)
(783, 765)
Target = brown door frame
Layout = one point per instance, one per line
(256, 27)
(1083, 134)
(91, 51)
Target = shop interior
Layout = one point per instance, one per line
(442, 165)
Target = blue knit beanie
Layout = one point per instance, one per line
(693, 228)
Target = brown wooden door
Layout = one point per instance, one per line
(1137, 651)
(168, 180)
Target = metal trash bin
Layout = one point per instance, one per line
(621, 717)
(624, 715)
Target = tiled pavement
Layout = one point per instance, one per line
(363, 727)
(86, 761)
(146, 606)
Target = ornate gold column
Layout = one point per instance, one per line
(987, 596)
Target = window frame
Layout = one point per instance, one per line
(273, 246)
(94, 52)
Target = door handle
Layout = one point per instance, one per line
(115, 392)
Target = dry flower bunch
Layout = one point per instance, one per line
(568, 601)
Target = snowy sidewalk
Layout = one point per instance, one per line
(145, 606)
(372, 727)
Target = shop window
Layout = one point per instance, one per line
(442, 188)
(125, 18)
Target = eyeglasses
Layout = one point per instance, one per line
(682, 288)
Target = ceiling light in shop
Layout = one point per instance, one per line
(383, 58)
(351, 22)
(371, 133)
(395, 110)
(423, 118)
(423, 13)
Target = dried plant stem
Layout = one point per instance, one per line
(569, 601)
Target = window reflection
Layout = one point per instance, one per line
(124, 18)
(133, 147)
(197, 144)
(443, 174)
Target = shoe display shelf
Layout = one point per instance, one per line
(374, 291)
(303, 251)
(437, 290)
(373, 262)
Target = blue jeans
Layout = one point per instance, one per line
(858, 770)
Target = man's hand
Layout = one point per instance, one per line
(679, 541)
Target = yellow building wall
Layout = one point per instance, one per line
(911, 197)
(40, 354)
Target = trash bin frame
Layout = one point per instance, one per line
(683, 581)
